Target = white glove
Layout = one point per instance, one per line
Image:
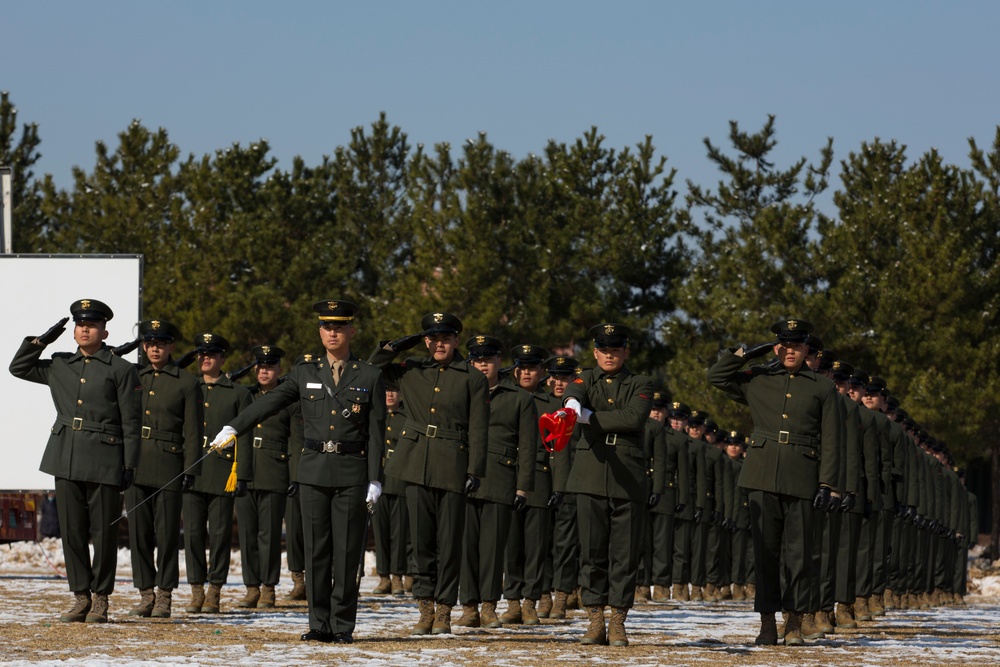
(583, 414)
(374, 492)
(226, 438)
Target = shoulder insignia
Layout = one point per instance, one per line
(578, 381)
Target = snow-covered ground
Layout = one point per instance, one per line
(32, 595)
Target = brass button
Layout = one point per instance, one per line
(206, 404)
(83, 380)
(86, 361)
(331, 427)
(441, 369)
(210, 387)
(437, 389)
(609, 380)
(79, 402)
(611, 400)
(388, 428)
(152, 393)
(260, 426)
(788, 395)
(147, 412)
(433, 410)
(784, 416)
(333, 412)
(791, 375)
(388, 442)
(156, 375)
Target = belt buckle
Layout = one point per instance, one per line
(611, 439)
(431, 431)
(204, 442)
(782, 437)
(331, 447)
(257, 442)
(77, 424)
(146, 432)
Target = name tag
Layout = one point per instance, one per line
(314, 385)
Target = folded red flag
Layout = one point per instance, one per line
(556, 428)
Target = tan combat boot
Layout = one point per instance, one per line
(383, 587)
(529, 616)
(488, 617)
(298, 586)
(573, 601)
(680, 592)
(642, 594)
(442, 620)
(660, 594)
(793, 629)
(545, 605)
(845, 617)
(81, 607)
(889, 599)
(267, 600)
(751, 591)
(739, 592)
(407, 583)
(710, 593)
(861, 612)
(808, 629)
(396, 584)
(161, 608)
(249, 600)
(725, 592)
(784, 624)
(875, 607)
(513, 614)
(470, 616)
(99, 610)
(925, 600)
(768, 635)
(147, 598)
(697, 595)
(616, 627)
(423, 626)
(596, 633)
(823, 623)
(213, 599)
(197, 599)
(559, 606)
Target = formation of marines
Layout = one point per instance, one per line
(544, 483)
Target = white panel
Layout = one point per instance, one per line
(37, 291)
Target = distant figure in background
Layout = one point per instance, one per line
(49, 525)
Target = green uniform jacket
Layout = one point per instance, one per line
(670, 459)
(869, 452)
(352, 411)
(740, 506)
(715, 497)
(394, 423)
(276, 445)
(884, 459)
(97, 399)
(513, 436)
(802, 404)
(454, 398)
(852, 459)
(697, 476)
(223, 400)
(171, 435)
(655, 447)
(551, 468)
(609, 460)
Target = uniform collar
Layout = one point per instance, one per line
(622, 375)
(223, 381)
(170, 369)
(104, 354)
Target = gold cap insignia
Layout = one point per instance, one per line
(266, 349)
(332, 305)
(207, 337)
(85, 304)
(836, 366)
(694, 413)
(609, 329)
(561, 361)
(526, 349)
(480, 340)
(657, 395)
(155, 324)
(793, 324)
(676, 405)
(732, 434)
(438, 317)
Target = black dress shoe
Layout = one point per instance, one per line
(319, 636)
(342, 638)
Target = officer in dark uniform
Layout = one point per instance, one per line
(740, 551)
(277, 440)
(294, 541)
(209, 499)
(791, 469)
(171, 443)
(441, 454)
(562, 370)
(691, 507)
(503, 496)
(342, 400)
(708, 459)
(93, 449)
(390, 522)
(609, 476)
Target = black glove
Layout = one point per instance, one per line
(697, 514)
(293, 490)
(918, 521)
(520, 502)
(54, 332)
(727, 523)
(821, 501)
(679, 508)
(911, 513)
(125, 348)
(849, 502)
(405, 343)
(835, 502)
(555, 500)
(471, 484)
(186, 360)
(187, 481)
(128, 477)
(654, 500)
(716, 517)
(758, 350)
(241, 488)
(933, 526)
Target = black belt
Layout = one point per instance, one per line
(619, 439)
(149, 433)
(786, 438)
(503, 451)
(278, 446)
(335, 447)
(80, 424)
(432, 431)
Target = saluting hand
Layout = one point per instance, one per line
(758, 350)
(54, 332)
(405, 343)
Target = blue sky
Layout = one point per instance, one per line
(302, 74)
